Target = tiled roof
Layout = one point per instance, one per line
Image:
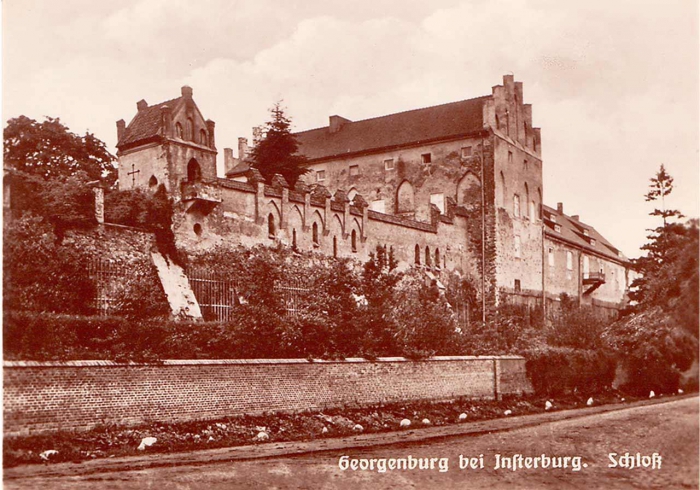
(239, 169)
(427, 124)
(572, 231)
(146, 123)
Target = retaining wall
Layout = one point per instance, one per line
(47, 396)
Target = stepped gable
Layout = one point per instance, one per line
(418, 125)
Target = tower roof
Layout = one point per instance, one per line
(147, 122)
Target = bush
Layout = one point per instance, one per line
(560, 370)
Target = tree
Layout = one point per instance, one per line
(50, 150)
(660, 187)
(276, 152)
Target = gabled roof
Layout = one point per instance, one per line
(147, 122)
(572, 231)
(403, 128)
(239, 169)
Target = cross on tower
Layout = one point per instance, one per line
(133, 175)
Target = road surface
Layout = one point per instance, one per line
(669, 430)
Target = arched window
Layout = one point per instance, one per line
(417, 255)
(427, 256)
(203, 140)
(352, 194)
(271, 225)
(194, 171)
(335, 246)
(189, 127)
(527, 200)
(294, 238)
(152, 182)
(353, 241)
(503, 191)
(437, 258)
(178, 130)
(197, 229)
(314, 231)
(405, 198)
(498, 122)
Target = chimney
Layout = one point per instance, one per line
(121, 127)
(242, 148)
(166, 120)
(210, 129)
(141, 105)
(575, 217)
(560, 208)
(336, 123)
(229, 161)
(186, 91)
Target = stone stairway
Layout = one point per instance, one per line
(177, 288)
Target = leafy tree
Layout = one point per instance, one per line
(276, 152)
(50, 150)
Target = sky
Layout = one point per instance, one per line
(613, 83)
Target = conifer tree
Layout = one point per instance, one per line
(276, 152)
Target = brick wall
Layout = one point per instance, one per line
(46, 396)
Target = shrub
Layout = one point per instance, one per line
(561, 370)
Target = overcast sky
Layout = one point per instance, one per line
(613, 83)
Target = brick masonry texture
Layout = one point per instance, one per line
(48, 396)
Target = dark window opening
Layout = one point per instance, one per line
(335, 246)
(197, 229)
(353, 241)
(426, 158)
(294, 238)
(194, 171)
(517, 285)
(270, 225)
(315, 234)
(437, 258)
(178, 130)
(417, 255)
(152, 182)
(427, 257)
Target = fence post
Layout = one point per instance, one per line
(496, 379)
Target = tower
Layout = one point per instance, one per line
(168, 143)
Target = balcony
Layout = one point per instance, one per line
(594, 280)
(199, 197)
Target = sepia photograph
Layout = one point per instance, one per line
(350, 245)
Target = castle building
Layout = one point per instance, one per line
(451, 188)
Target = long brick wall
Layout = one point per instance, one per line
(47, 396)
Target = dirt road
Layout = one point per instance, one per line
(670, 430)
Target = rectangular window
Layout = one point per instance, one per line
(516, 286)
(466, 151)
(517, 246)
(569, 261)
(510, 158)
(426, 158)
(377, 205)
(320, 175)
(439, 201)
(557, 228)
(354, 170)
(550, 257)
(389, 164)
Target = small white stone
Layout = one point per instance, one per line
(680, 392)
(548, 405)
(324, 430)
(47, 454)
(652, 394)
(508, 412)
(590, 402)
(146, 442)
(262, 436)
(405, 423)
(462, 416)
(358, 428)
(425, 422)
